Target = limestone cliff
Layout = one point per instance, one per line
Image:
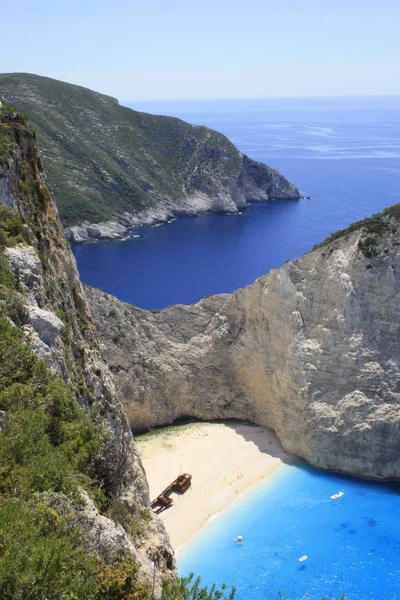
(311, 350)
(111, 167)
(50, 306)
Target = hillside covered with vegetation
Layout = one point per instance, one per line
(104, 160)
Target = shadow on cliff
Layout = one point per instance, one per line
(265, 440)
(267, 443)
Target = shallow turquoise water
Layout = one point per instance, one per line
(352, 543)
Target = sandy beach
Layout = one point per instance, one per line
(225, 461)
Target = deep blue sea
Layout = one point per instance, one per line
(352, 543)
(345, 153)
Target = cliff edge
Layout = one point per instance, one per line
(44, 315)
(311, 350)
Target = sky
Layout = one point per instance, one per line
(195, 49)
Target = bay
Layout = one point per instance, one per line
(344, 153)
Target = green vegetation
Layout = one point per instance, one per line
(12, 230)
(41, 555)
(47, 441)
(7, 133)
(7, 144)
(102, 158)
(372, 228)
(133, 518)
(189, 588)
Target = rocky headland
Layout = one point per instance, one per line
(112, 168)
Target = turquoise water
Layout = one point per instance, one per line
(352, 543)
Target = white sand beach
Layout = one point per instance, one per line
(225, 461)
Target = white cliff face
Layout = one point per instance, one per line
(25, 261)
(311, 350)
(46, 324)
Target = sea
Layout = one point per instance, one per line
(349, 545)
(345, 154)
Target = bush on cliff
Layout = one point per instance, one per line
(189, 588)
(47, 441)
(12, 230)
(41, 555)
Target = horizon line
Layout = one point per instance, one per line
(241, 98)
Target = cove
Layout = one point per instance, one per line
(352, 543)
(344, 153)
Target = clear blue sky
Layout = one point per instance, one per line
(171, 49)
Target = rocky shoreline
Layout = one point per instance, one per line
(121, 228)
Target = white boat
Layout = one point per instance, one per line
(239, 538)
(336, 496)
(303, 558)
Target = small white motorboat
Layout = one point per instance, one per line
(336, 496)
(239, 538)
(303, 558)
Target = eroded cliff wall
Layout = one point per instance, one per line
(310, 350)
(48, 302)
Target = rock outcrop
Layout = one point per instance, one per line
(48, 298)
(311, 350)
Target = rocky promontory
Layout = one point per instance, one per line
(310, 350)
(256, 182)
(112, 168)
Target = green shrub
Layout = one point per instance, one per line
(13, 305)
(41, 555)
(6, 277)
(12, 230)
(189, 588)
(48, 441)
(367, 246)
(119, 582)
(17, 361)
(7, 144)
(133, 518)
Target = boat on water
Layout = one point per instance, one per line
(239, 538)
(303, 558)
(336, 496)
